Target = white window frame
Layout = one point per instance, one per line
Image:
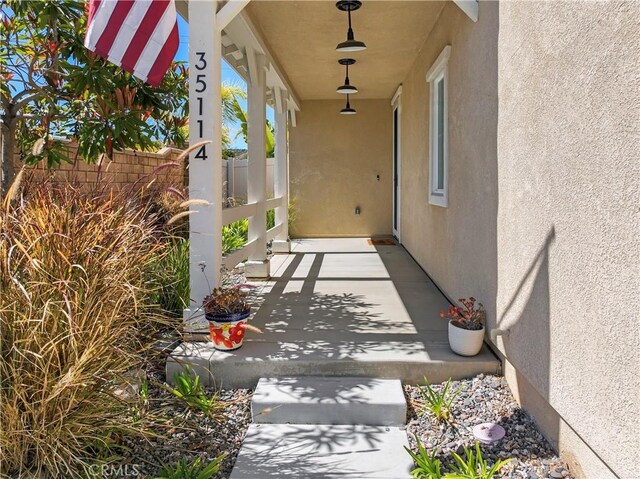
(438, 72)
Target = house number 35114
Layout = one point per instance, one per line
(201, 88)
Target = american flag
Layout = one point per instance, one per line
(140, 36)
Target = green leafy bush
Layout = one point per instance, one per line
(439, 404)
(74, 318)
(235, 235)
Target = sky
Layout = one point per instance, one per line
(228, 76)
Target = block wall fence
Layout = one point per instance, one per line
(129, 167)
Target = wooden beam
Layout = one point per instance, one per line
(470, 7)
(227, 13)
(279, 99)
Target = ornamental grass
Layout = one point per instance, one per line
(75, 318)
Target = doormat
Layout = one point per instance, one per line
(381, 241)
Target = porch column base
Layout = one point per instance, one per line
(258, 269)
(194, 321)
(281, 246)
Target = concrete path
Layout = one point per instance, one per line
(340, 307)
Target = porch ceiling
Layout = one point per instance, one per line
(302, 36)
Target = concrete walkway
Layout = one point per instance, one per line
(340, 307)
(326, 428)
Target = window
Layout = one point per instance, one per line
(438, 136)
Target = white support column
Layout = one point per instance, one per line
(281, 243)
(258, 266)
(205, 162)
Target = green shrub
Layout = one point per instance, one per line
(438, 403)
(235, 235)
(73, 320)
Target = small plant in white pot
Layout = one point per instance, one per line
(466, 326)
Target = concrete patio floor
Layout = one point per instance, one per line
(339, 307)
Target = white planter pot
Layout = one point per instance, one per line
(465, 342)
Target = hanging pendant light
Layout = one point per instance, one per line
(347, 88)
(347, 110)
(351, 45)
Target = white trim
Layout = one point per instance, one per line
(236, 213)
(437, 73)
(396, 103)
(229, 11)
(292, 114)
(470, 7)
(396, 96)
(256, 154)
(441, 61)
(232, 259)
(205, 162)
(274, 232)
(274, 203)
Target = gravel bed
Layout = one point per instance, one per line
(185, 433)
(486, 398)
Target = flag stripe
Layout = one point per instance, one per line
(138, 43)
(163, 62)
(154, 48)
(92, 7)
(114, 26)
(100, 19)
(141, 36)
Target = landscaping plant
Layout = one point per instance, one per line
(234, 235)
(190, 391)
(427, 465)
(172, 275)
(194, 470)
(226, 300)
(474, 466)
(74, 320)
(439, 404)
(471, 315)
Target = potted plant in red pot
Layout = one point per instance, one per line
(466, 326)
(227, 311)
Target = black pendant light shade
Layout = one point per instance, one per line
(351, 44)
(347, 88)
(347, 110)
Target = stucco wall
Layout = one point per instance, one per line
(334, 161)
(568, 224)
(543, 216)
(455, 245)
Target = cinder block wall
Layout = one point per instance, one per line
(125, 169)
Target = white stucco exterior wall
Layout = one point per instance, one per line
(568, 216)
